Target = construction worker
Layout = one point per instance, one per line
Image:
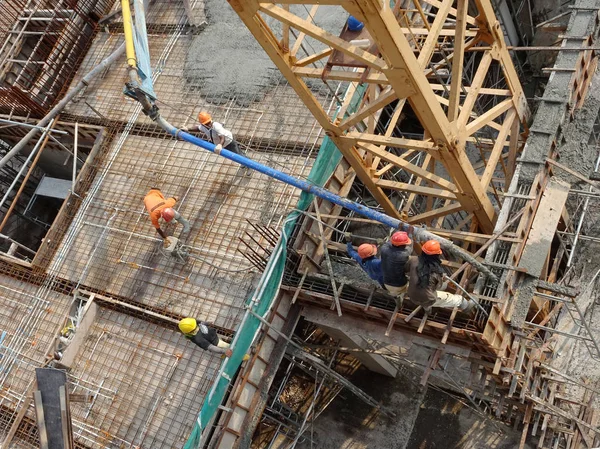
(160, 207)
(215, 132)
(394, 256)
(366, 258)
(205, 337)
(425, 285)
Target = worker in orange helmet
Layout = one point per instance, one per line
(426, 286)
(215, 133)
(160, 207)
(366, 258)
(394, 256)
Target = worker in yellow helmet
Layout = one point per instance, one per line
(205, 337)
(215, 133)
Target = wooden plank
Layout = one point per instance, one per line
(321, 35)
(494, 157)
(457, 64)
(435, 213)
(476, 85)
(39, 417)
(544, 227)
(405, 187)
(488, 116)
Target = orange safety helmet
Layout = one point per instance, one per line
(204, 117)
(168, 213)
(431, 247)
(367, 250)
(400, 238)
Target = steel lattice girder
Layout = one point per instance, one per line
(398, 67)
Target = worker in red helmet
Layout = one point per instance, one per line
(394, 256)
(215, 133)
(366, 256)
(426, 286)
(160, 207)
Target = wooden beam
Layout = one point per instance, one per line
(474, 89)
(438, 4)
(487, 117)
(373, 77)
(435, 213)
(301, 36)
(419, 190)
(411, 168)
(314, 58)
(433, 34)
(323, 36)
(483, 91)
(396, 142)
(492, 161)
(380, 102)
(457, 63)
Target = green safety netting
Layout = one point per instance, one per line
(327, 160)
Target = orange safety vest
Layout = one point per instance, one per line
(155, 202)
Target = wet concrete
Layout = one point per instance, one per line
(228, 61)
(425, 419)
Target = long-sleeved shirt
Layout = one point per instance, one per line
(422, 296)
(371, 265)
(215, 132)
(393, 261)
(206, 338)
(155, 202)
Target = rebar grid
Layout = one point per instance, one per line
(147, 383)
(104, 241)
(43, 44)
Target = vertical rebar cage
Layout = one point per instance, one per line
(43, 44)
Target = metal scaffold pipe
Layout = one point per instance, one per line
(61, 104)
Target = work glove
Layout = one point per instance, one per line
(218, 148)
(347, 237)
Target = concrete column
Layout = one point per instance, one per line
(374, 362)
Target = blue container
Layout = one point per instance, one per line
(354, 24)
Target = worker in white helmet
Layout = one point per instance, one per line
(205, 337)
(215, 133)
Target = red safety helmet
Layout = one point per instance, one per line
(367, 250)
(431, 247)
(400, 238)
(168, 213)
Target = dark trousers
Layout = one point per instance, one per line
(233, 147)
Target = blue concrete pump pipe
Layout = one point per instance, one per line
(419, 233)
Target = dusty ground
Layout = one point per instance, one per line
(425, 419)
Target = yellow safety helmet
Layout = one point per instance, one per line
(187, 325)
